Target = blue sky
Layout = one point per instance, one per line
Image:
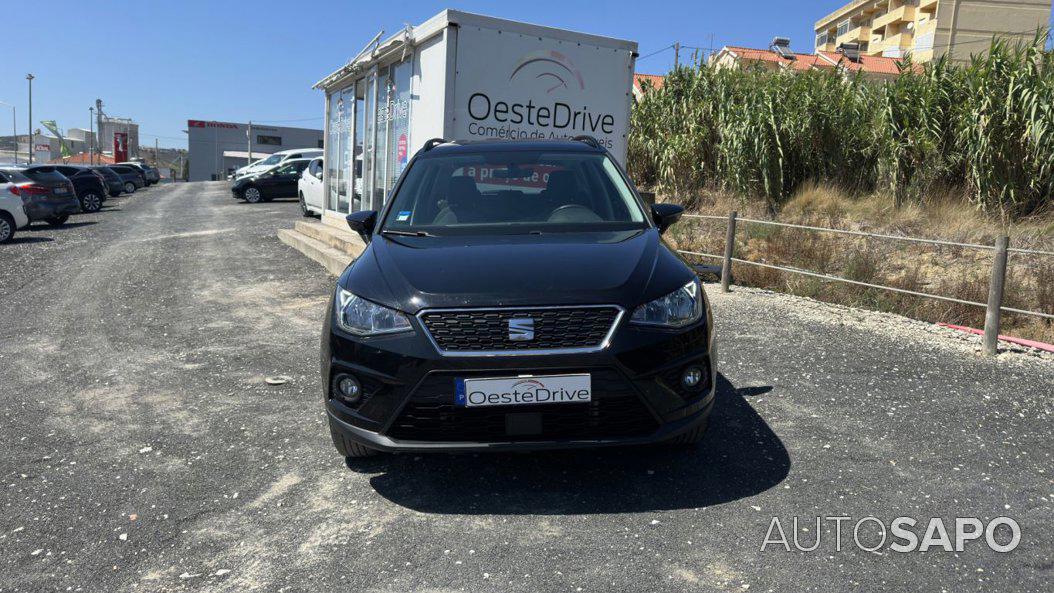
(162, 63)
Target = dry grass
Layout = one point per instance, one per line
(949, 271)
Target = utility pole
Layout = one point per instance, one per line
(157, 155)
(91, 135)
(676, 53)
(249, 135)
(30, 78)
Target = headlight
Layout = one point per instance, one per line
(358, 316)
(681, 307)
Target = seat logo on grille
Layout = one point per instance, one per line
(521, 329)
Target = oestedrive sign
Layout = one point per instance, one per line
(463, 76)
(511, 85)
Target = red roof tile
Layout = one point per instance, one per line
(822, 60)
(655, 80)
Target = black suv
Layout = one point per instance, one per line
(89, 184)
(516, 295)
(114, 183)
(277, 182)
(132, 177)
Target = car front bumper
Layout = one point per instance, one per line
(409, 390)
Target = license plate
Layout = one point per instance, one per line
(523, 390)
(60, 190)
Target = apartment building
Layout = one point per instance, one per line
(929, 28)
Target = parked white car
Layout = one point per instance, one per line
(276, 159)
(12, 214)
(309, 187)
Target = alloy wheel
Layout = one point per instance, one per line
(129, 187)
(6, 230)
(252, 195)
(92, 203)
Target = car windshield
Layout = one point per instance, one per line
(271, 160)
(513, 192)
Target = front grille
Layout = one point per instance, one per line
(482, 330)
(615, 412)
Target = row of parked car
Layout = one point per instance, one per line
(51, 193)
(280, 175)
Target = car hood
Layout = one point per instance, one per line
(413, 273)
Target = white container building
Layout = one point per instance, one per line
(463, 76)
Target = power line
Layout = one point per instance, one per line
(670, 46)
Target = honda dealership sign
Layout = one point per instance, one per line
(517, 86)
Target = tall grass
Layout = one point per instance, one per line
(986, 127)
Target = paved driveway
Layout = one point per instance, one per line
(144, 451)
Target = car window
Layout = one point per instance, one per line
(274, 159)
(16, 177)
(291, 168)
(514, 192)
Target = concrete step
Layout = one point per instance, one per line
(331, 258)
(342, 239)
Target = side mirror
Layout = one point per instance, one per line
(362, 222)
(665, 215)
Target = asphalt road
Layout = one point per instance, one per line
(143, 451)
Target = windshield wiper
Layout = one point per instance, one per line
(407, 233)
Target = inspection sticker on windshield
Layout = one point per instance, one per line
(525, 390)
(404, 215)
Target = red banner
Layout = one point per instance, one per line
(120, 147)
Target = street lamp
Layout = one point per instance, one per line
(30, 78)
(91, 135)
(14, 130)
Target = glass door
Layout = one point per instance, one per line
(358, 135)
(332, 149)
(368, 131)
(347, 107)
(380, 154)
(398, 122)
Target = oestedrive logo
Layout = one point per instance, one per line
(556, 71)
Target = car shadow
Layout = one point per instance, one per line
(42, 226)
(20, 239)
(740, 456)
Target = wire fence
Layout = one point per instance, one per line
(994, 306)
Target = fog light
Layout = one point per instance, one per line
(349, 389)
(692, 376)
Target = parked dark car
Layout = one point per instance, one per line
(114, 183)
(277, 182)
(89, 184)
(150, 174)
(131, 176)
(516, 295)
(49, 197)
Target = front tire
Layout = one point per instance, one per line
(129, 187)
(303, 207)
(7, 227)
(91, 202)
(57, 221)
(252, 195)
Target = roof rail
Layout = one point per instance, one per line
(429, 145)
(588, 140)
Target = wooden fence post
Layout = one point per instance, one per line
(730, 244)
(995, 296)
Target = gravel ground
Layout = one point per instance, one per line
(145, 452)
